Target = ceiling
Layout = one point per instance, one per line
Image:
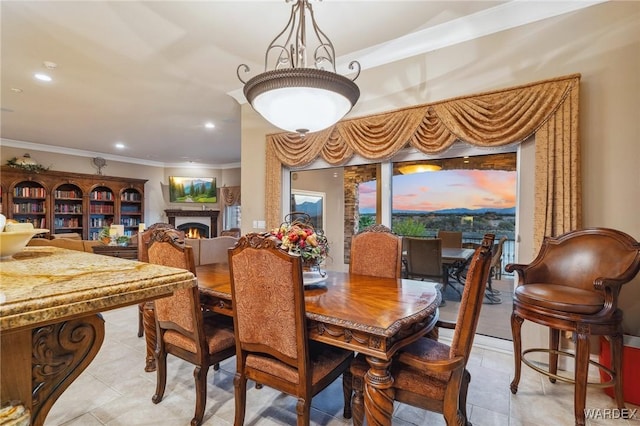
(150, 74)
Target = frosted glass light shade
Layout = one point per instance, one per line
(301, 99)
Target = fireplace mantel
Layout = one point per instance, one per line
(213, 214)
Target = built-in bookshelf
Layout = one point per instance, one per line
(29, 203)
(101, 210)
(72, 202)
(67, 209)
(131, 210)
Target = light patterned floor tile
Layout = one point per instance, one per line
(116, 391)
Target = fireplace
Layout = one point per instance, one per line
(194, 230)
(197, 217)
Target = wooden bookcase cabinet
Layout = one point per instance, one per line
(67, 202)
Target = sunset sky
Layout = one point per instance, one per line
(446, 189)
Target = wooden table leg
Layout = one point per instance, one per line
(15, 367)
(149, 321)
(55, 356)
(378, 393)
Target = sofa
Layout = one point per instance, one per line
(211, 250)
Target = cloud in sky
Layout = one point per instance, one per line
(447, 189)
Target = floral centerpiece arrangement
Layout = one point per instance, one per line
(299, 237)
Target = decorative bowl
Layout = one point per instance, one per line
(13, 241)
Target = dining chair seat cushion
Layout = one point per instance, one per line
(324, 358)
(560, 298)
(219, 338)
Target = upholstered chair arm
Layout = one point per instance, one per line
(519, 268)
(608, 284)
(435, 366)
(611, 289)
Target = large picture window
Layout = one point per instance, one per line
(471, 194)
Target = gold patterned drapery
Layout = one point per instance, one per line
(546, 109)
(230, 195)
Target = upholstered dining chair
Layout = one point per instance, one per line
(146, 317)
(573, 285)
(423, 257)
(430, 374)
(450, 239)
(182, 329)
(376, 251)
(272, 347)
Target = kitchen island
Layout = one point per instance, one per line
(50, 323)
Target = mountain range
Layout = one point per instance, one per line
(510, 211)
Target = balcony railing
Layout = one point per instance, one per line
(508, 251)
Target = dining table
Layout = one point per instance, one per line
(370, 315)
(454, 260)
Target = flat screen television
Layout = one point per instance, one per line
(192, 190)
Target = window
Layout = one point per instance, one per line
(311, 203)
(231, 218)
(350, 205)
(472, 194)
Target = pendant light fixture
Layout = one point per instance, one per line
(410, 169)
(291, 94)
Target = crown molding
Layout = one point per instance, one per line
(91, 154)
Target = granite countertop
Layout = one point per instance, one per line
(43, 285)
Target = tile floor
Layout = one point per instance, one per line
(495, 319)
(115, 390)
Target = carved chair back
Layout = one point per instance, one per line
(472, 298)
(269, 318)
(429, 374)
(180, 323)
(376, 251)
(144, 237)
(181, 311)
(268, 296)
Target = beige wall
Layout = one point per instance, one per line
(601, 42)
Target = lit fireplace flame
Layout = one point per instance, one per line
(193, 233)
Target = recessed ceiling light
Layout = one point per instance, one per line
(42, 77)
(50, 65)
(119, 145)
(16, 90)
(209, 125)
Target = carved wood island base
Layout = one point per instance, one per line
(50, 319)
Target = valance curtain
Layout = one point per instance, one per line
(547, 109)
